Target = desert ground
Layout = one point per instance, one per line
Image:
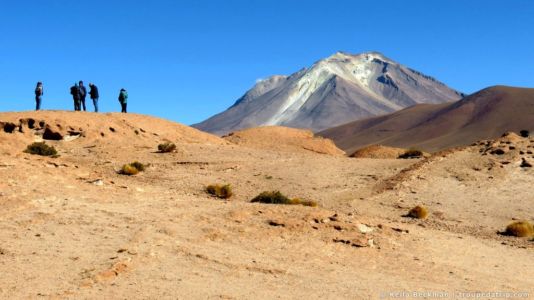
(72, 227)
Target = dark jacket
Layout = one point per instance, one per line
(93, 92)
(39, 90)
(75, 92)
(123, 96)
(83, 91)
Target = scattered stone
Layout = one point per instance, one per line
(400, 230)
(364, 228)
(497, 151)
(52, 135)
(525, 163)
(97, 182)
(276, 223)
(358, 242)
(334, 218)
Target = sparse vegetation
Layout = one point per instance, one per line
(520, 229)
(310, 203)
(412, 153)
(166, 147)
(132, 168)
(220, 191)
(40, 148)
(139, 166)
(275, 197)
(524, 133)
(418, 212)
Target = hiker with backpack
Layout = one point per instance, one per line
(93, 92)
(123, 99)
(38, 95)
(76, 96)
(83, 93)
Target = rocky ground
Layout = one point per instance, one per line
(72, 227)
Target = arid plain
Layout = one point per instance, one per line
(72, 227)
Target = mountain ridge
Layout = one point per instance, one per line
(335, 90)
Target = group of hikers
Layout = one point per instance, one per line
(79, 93)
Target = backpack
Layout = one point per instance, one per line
(39, 90)
(122, 96)
(83, 91)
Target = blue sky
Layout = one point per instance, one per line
(187, 60)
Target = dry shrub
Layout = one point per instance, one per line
(132, 168)
(139, 166)
(40, 148)
(166, 147)
(520, 229)
(412, 153)
(310, 203)
(220, 191)
(275, 197)
(418, 212)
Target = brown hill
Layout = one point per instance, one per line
(111, 128)
(283, 138)
(482, 115)
(378, 151)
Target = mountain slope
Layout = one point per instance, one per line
(482, 115)
(335, 90)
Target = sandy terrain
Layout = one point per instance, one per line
(71, 227)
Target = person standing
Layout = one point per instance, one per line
(75, 92)
(38, 95)
(93, 92)
(83, 94)
(123, 99)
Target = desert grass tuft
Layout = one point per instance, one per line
(220, 191)
(275, 197)
(309, 203)
(139, 166)
(520, 229)
(166, 147)
(132, 168)
(418, 212)
(40, 148)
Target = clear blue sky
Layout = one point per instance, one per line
(187, 60)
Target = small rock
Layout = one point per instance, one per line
(360, 242)
(525, 163)
(276, 223)
(97, 182)
(364, 228)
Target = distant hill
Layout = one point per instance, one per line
(283, 138)
(483, 115)
(335, 90)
